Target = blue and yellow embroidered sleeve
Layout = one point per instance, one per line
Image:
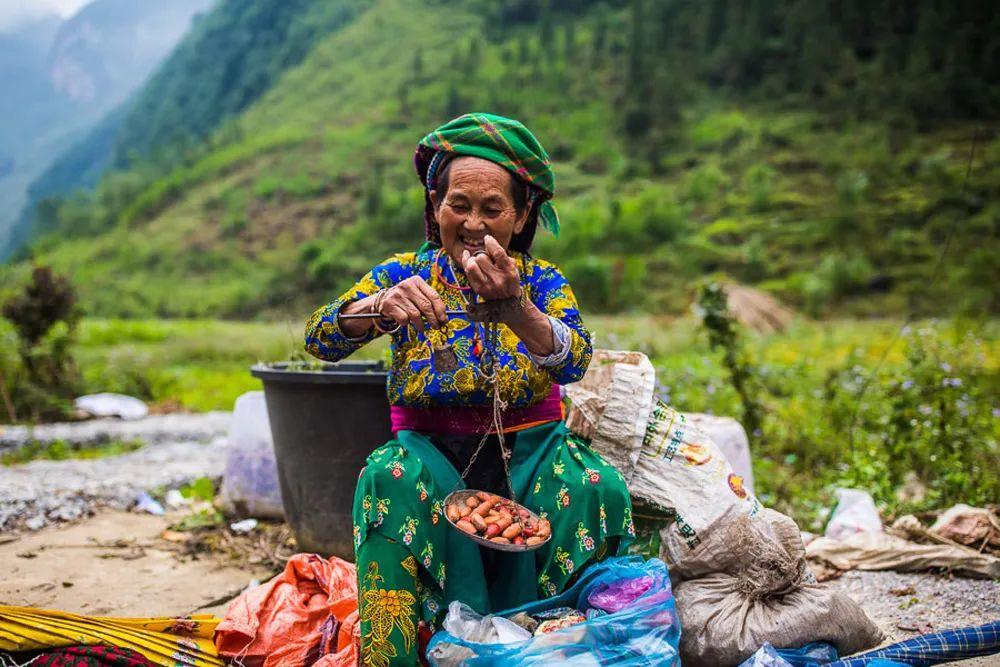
(414, 381)
(324, 338)
(552, 294)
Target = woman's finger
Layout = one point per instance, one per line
(423, 301)
(395, 313)
(493, 276)
(477, 280)
(495, 251)
(437, 303)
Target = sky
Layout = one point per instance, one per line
(14, 13)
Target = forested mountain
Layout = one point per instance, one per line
(815, 148)
(59, 77)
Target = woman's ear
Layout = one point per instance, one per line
(434, 198)
(523, 218)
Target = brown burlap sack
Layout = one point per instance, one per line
(747, 583)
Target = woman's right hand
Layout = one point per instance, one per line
(414, 302)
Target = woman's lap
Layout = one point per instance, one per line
(399, 516)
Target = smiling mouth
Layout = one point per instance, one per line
(473, 245)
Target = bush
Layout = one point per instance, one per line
(591, 278)
(43, 378)
(934, 416)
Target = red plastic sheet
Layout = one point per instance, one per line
(307, 615)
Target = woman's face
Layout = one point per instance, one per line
(478, 202)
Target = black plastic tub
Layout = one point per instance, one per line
(324, 421)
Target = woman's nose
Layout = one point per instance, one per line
(474, 221)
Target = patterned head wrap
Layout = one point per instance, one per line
(504, 141)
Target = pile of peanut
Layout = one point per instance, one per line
(498, 520)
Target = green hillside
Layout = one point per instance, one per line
(819, 157)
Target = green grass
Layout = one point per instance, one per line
(59, 450)
(811, 374)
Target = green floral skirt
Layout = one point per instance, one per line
(412, 563)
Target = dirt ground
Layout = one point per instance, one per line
(117, 564)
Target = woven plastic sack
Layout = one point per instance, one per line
(682, 470)
(308, 614)
(644, 633)
(250, 484)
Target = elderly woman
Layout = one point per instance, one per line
(488, 182)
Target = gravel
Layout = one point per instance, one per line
(937, 603)
(178, 449)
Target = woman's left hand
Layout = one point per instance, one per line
(492, 274)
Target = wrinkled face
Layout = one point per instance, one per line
(478, 202)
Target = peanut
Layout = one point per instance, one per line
(484, 508)
(478, 522)
(512, 531)
(464, 511)
(466, 527)
(505, 521)
(452, 512)
(472, 501)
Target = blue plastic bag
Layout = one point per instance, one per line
(644, 632)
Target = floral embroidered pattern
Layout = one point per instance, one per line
(421, 490)
(409, 529)
(412, 380)
(592, 476)
(563, 497)
(548, 588)
(437, 508)
(428, 555)
(627, 524)
(583, 538)
(384, 611)
(564, 561)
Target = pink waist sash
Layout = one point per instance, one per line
(472, 420)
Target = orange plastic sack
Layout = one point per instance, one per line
(307, 615)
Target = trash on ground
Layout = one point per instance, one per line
(855, 513)
(250, 485)
(747, 583)
(109, 404)
(308, 613)
(243, 527)
(882, 551)
(972, 526)
(644, 631)
(146, 503)
(175, 500)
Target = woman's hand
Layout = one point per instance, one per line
(492, 274)
(414, 302)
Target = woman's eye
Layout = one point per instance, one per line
(461, 208)
(494, 212)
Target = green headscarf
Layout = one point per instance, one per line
(506, 142)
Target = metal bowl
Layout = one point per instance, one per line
(461, 496)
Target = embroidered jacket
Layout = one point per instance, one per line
(412, 379)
